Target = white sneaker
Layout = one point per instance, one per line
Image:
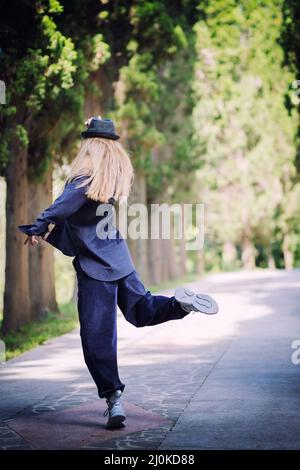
(115, 410)
(191, 302)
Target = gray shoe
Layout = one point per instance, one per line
(115, 410)
(191, 302)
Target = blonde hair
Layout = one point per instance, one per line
(107, 166)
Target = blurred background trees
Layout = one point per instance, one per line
(245, 135)
(204, 94)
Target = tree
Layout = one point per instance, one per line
(150, 116)
(40, 65)
(290, 42)
(47, 57)
(243, 131)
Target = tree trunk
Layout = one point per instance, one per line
(248, 253)
(164, 272)
(271, 260)
(139, 247)
(16, 295)
(182, 256)
(41, 258)
(163, 263)
(154, 255)
(228, 254)
(156, 260)
(171, 258)
(200, 266)
(2, 236)
(99, 97)
(74, 297)
(288, 254)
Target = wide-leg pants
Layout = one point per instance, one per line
(97, 308)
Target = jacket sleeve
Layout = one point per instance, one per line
(69, 201)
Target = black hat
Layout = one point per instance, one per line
(98, 127)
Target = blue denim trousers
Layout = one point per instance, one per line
(97, 309)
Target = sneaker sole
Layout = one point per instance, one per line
(197, 302)
(116, 421)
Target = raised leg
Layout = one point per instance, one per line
(141, 308)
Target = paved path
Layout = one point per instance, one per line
(223, 382)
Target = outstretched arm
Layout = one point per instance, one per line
(70, 200)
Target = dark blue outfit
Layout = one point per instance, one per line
(106, 278)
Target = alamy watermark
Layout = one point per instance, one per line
(157, 221)
(295, 357)
(2, 92)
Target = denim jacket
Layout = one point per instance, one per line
(76, 233)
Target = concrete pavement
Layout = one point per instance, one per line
(220, 382)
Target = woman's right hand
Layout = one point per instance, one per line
(33, 239)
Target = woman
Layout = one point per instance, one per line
(100, 174)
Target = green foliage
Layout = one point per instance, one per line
(290, 40)
(46, 81)
(243, 132)
(290, 37)
(153, 98)
(134, 101)
(38, 332)
(98, 50)
(71, 40)
(201, 89)
(162, 25)
(21, 135)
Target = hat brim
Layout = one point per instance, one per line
(87, 134)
